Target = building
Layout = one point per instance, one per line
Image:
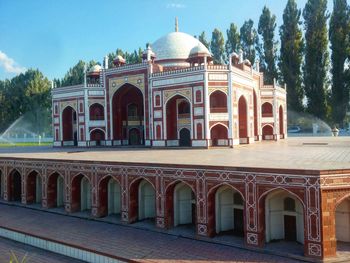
(175, 97)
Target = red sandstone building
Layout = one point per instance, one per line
(177, 98)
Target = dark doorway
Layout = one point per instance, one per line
(15, 187)
(185, 137)
(238, 227)
(290, 228)
(134, 137)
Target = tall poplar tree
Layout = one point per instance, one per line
(203, 39)
(233, 40)
(316, 57)
(268, 56)
(338, 36)
(249, 40)
(291, 55)
(217, 46)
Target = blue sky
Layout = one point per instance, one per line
(54, 35)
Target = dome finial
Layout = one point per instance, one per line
(176, 25)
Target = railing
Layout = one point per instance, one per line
(134, 118)
(218, 67)
(176, 71)
(267, 115)
(127, 66)
(97, 117)
(218, 109)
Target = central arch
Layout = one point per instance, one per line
(178, 121)
(267, 132)
(69, 125)
(128, 115)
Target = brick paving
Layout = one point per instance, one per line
(33, 255)
(314, 153)
(124, 241)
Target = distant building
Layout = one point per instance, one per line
(175, 97)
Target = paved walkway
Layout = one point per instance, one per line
(123, 241)
(33, 255)
(314, 153)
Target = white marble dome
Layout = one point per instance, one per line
(176, 46)
(95, 68)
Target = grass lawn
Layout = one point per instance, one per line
(24, 144)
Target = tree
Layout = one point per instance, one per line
(233, 40)
(338, 35)
(268, 57)
(249, 40)
(291, 55)
(75, 75)
(203, 39)
(217, 46)
(316, 57)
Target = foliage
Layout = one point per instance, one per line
(130, 58)
(233, 40)
(203, 39)
(249, 40)
(29, 92)
(217, 46)
(268, 57)
(15, 259)
(316, 57)
(291, 55)
(338, 35)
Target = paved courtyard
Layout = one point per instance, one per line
(127, 242)
(33, 255)
(309, 153)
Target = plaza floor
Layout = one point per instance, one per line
(305, 153)
(128, 242)
(31, 254)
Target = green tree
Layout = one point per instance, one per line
(268, 57)
(316, 57)
(249, 40)
(291, 55)
(75, 75)
(217, 46)
(203, 39)
(338, 35)
(233, 40)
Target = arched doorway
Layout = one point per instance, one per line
(256, 135)
(147, 200)
(342, 221)
(284, 217)
(185, 137)
(229, 206)
(134, 136)
(218, 102)
(96, 112)
(243, 120)
(69, 125)
(281, 122)
(14, 186)
(97, 136)
(184, 205)
(34, 188)
(219, 135)
(109, 196)
(178, 121)
(55, 191)
(267, 132)
(128, 114)
(81, 193)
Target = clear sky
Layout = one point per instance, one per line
(53, 35)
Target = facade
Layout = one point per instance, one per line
(175, 97)
(311, 208)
